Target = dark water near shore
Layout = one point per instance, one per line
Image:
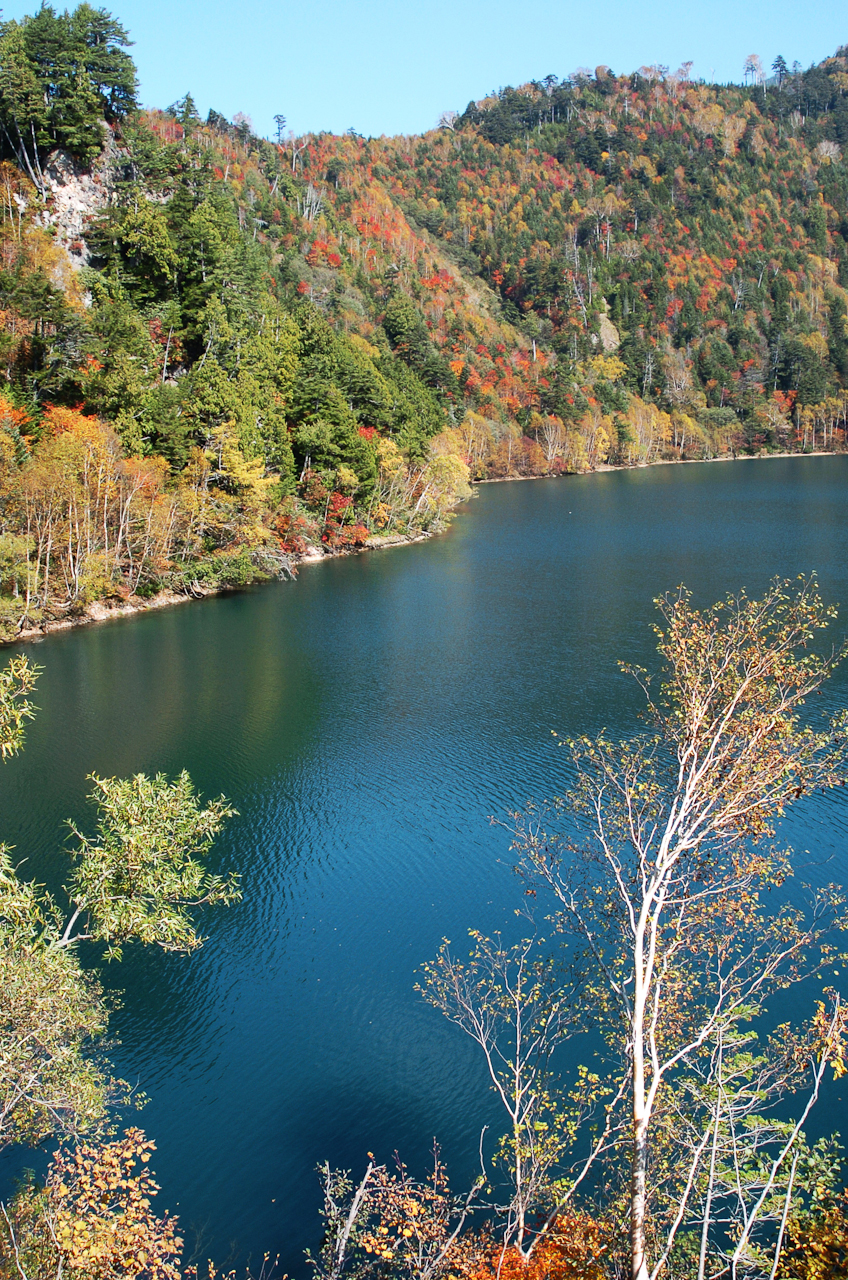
(366, 721)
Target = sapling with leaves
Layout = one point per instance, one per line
(390, 1223)
(52, 1012)
(92, 1218)
(519, 1007)
(728, 1170)
(53, 1015)
(17, 680)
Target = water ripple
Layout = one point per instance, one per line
(366, 722)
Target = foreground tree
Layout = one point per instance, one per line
(518, 1007)
(92, 1219)
(142, 878)
(391, 1223)
(670, 902)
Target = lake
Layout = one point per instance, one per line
(366, 721)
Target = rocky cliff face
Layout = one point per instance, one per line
(75, 195)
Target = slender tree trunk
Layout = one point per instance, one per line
(708, 1207)
(637, 1193)
(786, 1205)
(639, 1158)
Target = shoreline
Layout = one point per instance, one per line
(668, 462)
(98, 612)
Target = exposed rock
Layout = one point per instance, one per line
(610, 338)
(74, 196)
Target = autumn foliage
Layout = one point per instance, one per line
(93, 1219)
(309, 343)
(575, 1247)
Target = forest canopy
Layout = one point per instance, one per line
(312, 343)
(62, 76)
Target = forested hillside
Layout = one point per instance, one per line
(671, 256)
(220, 350)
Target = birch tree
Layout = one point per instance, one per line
(669, 884)
(671, 906)
(516, 1006)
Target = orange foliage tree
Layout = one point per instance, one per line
(93, 1219)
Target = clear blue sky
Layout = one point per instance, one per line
(390, 66)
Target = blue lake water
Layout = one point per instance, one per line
(366, 721)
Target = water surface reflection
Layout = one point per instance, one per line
(365, 722)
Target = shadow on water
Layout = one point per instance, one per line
(366, 721)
